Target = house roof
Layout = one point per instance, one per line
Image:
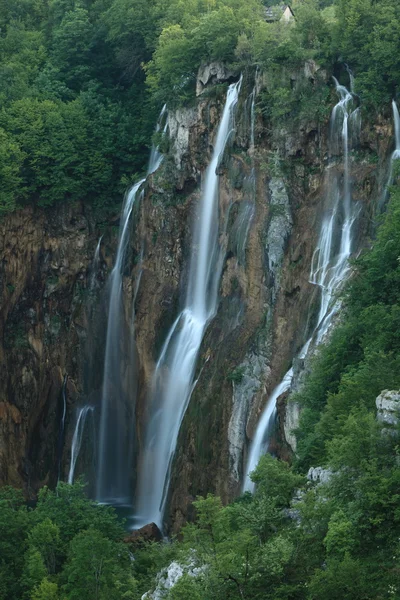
(274, 13)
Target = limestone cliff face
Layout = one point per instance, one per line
(272, 187)
(44, 273)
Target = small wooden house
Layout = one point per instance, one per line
(281, 12)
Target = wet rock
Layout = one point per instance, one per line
(279, 227)
(250, 380)
(148, 533)
(291, 422)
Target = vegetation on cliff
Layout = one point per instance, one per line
(82, 80)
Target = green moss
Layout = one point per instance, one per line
(236, 375)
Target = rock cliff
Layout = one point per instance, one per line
(272, 187)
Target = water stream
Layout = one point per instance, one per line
(172, 382)
(83, 413)
(61, 434)
(329, 265)
(395, 154)
(116, 438)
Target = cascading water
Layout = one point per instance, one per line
(173, 378)
(396, 118)
(395, 154)
(83, 414)
(329, 265)
(156, 156)
(118, 399)
(116, 421)
(95, 266)
(259, 444)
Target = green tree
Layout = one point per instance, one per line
(47, 590)
(93, 570)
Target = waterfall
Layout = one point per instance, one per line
(62, 426)
(329, 265)
(95, 266)
(156, 156)
(83, 413)
(172, 382)
(395, 154)
(259, 444)
(396, 118)
(116, 420)
(113, 484)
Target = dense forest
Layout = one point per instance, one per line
(81, 84)
(82, 81)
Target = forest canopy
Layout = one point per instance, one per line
(82, 81)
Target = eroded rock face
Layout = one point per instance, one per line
(212, 74)
(179, 123)
(45, 260)
(388, 407)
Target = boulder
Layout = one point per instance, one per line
(147, 533)
(388, 407)
(319, 475)
(211, 74)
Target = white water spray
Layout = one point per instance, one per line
(173, 378)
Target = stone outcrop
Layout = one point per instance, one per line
(212, 74)
(148, 533)
(319, 475)
(388, 408)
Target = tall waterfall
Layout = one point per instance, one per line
(118, 398)
(329, 265)
(172, 382)
(116, 420)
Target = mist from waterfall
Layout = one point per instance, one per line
(172, 382)
(329, 265)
